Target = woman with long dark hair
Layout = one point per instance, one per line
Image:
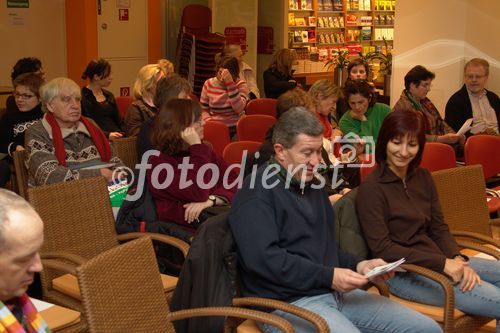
(181, 195)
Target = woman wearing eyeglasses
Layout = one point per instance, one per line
(15, 123)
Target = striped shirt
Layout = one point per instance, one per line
(223, 102)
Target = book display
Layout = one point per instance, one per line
(319, 29)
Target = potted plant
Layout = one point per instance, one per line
(340, 61)
(385, 61)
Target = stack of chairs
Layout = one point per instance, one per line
(197, 46)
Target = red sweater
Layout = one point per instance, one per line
(170, 200)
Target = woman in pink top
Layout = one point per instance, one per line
(224, 97)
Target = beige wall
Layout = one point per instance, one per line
(42, 36)
(270, 15)
(230, 13)
(442, 35)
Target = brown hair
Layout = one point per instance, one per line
(31, 80)
(290, 99)
(174, 117)
(358, 62)
(361, 87)
(169, 88)
(231, 64)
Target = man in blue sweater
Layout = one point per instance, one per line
(283, 226)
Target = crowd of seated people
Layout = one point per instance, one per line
(284, 235)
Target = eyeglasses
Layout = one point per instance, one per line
(474, 77)
(24, 97)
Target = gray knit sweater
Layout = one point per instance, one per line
(43, 166)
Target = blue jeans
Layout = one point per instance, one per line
(358, 311)
(483, 300)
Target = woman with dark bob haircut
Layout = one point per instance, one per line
(181, 178)
(399, 212)
(98, 103)
(365, 115)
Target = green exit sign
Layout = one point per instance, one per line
(18, 4)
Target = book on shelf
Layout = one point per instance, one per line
(312, 21)
(300, 22)
(291, 19)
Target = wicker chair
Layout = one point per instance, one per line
(119, 301)
(461, 194)
(79, 225)
(126, 150)
(21, 173)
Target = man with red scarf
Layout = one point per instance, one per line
(64, 145)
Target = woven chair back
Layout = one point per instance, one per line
(126, 150)
(21, 173)
(462, 197)
(129, 296)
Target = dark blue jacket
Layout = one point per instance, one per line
(285, 239)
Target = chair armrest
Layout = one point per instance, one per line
(495, 222)
(262, 317)
(382, 288)
(494, 252)
(476, 237)
(313, 318)
(449, 295)
(175, 242)
(59, 266)
(73, 258)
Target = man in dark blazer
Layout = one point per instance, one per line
(474, 101)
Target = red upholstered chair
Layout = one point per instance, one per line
(266, 106)
(217, 134)
(254, 127)
(438, 156)
(233, 153)
(123, 102)
(485, 150)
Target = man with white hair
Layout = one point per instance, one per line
(21, 236)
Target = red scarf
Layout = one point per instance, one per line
(327, 127)
(97, 136)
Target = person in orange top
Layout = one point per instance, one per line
(325, 94)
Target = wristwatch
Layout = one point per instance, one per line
(212, 198)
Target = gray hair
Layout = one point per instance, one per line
(52, 88)
(298, 120)
(10, 201)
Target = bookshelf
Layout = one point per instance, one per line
(319, 28)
